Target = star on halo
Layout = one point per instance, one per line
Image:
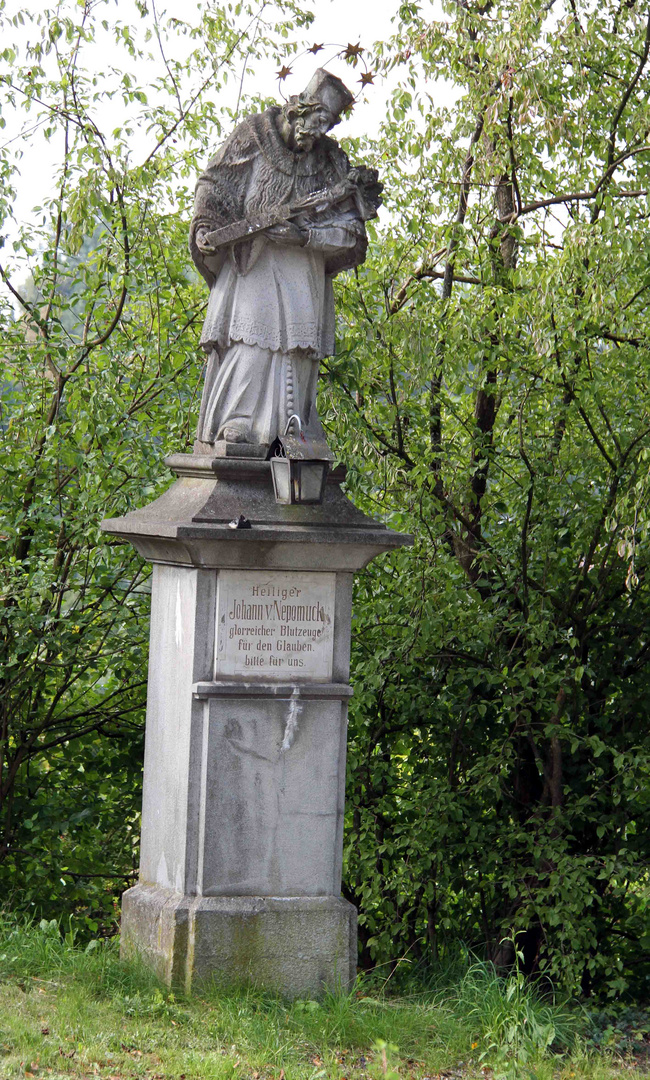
(315, 48)
(352, 52)
(283, 72)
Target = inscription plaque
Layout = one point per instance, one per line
(275, 624)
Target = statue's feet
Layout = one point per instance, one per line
(236, 433)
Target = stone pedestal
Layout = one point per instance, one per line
(244, 777)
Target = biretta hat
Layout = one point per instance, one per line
(327, 89)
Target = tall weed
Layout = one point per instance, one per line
(514, 1024)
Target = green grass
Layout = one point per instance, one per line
(69, 1011)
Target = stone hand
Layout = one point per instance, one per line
(287, 233)
(203, 245)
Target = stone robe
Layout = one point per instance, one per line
(270, 317)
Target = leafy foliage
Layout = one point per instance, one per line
(489, 394)
(625, 1029)
(493, 366)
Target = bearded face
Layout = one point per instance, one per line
(309, 125)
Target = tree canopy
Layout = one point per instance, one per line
(489, 393)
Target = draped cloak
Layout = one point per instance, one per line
(270, 316)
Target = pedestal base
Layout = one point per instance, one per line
(296, 946)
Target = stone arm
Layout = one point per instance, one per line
(341, 236)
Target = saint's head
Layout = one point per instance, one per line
(311, 114)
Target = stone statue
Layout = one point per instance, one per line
(279, 212)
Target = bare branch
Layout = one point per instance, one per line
(583, 196)
(402, 296)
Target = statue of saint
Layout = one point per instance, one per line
(279, 212)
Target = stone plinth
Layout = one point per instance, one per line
(293, 945)
(243, 801)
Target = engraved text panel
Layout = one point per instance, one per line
(275, 624)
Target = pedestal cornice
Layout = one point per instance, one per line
(192, 523)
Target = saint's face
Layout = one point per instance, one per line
(308, 128)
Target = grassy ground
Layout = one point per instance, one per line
(68, 1012)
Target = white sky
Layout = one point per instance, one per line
(340, 22)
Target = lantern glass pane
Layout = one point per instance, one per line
(311, 481)
(280, 469)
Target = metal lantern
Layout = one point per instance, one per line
(299, 466)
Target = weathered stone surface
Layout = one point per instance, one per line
(222, 449)
(189, 524)
(214, 490)
(243, 786)
(242, 818)
(243, 797)
(296, 946)
(278, 212)
(277, 770)
(182, 636)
